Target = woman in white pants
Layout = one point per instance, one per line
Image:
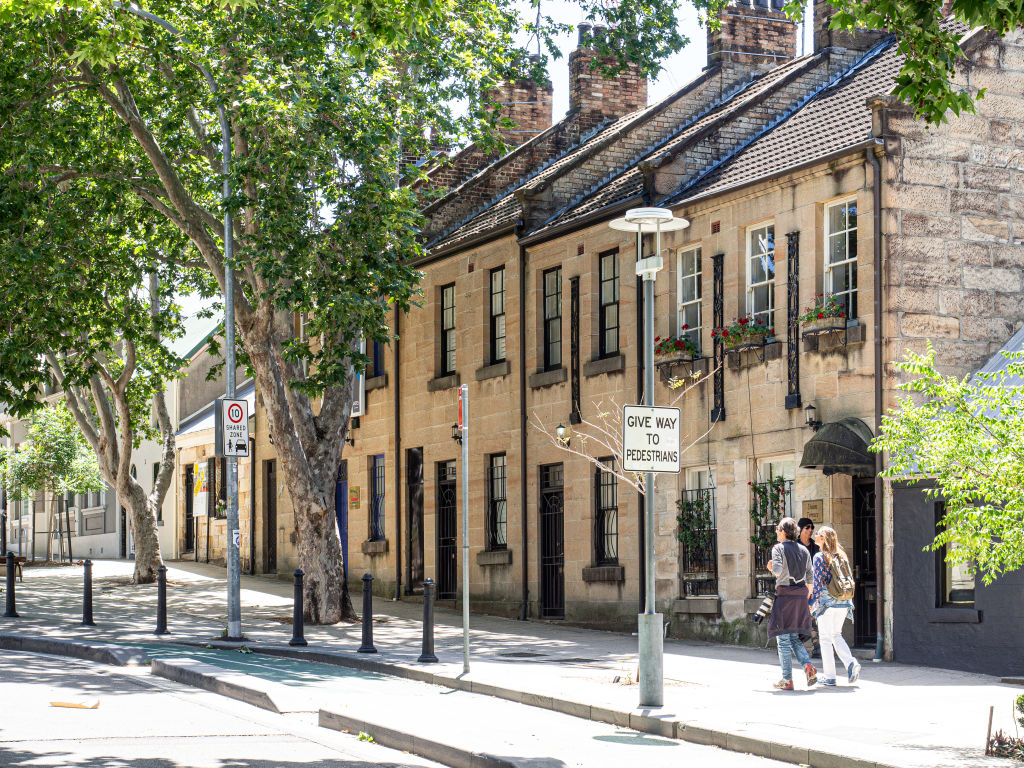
(831, 611)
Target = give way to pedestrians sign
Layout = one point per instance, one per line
(650, 439)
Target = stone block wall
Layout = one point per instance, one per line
(752, 35)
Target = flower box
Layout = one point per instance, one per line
(749, 340)
(824, 325)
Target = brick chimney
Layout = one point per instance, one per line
(591, 94)
(527, 105)
(753, 33)
(861, 40)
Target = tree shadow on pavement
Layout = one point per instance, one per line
(60, 759)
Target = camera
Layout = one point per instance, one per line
(763, 610)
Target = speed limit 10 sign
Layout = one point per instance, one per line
(231, 428)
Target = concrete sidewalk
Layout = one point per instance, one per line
(896, 715)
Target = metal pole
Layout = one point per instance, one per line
(367, 644)
(298, 625)
(428, 656)
(161, 601)
(465, 528)
(87, 596)
(649, 623)
(11, 612)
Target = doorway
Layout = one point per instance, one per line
(414, 520)
(552, 542)
(341, 513)
(190, 519)
(447, 531)
(270, 516)
(865, 618)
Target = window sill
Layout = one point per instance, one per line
(548, 378)
(494, 557)
(835, 341)
(612, 364)
(377, 382)
(744, 358)
(443, 382)
(954, 616)
(704, 606)
(379, 547)
(612, 573)
(493, 371)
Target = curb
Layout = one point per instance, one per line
(430, 750)
(264, 694)
(114, 655)
(673, 729)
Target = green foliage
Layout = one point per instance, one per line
(968, 434)
(364, 736)
(55, 457)
(694, 518)
(767, 508)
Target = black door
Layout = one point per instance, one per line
(270, 516)
(447, 531)
(865, 618)
(552, 543)
(414, 520)
(190, 520)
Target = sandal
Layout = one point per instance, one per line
(784, 685)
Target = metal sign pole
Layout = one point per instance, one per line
(464, 413)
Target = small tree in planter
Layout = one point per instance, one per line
(826, 314)
(743, 332)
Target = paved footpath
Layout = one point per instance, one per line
(896, 715)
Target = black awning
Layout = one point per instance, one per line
(840, 446)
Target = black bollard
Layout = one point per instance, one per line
(298, 636)
(87, 596)
(367, 646)
(161, 601)
(428, 657)
(11, 612)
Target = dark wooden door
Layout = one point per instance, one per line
(414, 520)
(552, 542)
(447, 531)
(341, 513)
(190, 519)
(270, 516)
(865, 618)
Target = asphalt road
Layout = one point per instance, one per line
(146, 722)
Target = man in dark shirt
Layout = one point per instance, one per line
(806, 526)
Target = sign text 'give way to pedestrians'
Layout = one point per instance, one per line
(650, 439)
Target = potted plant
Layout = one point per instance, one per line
(743, 332)
(675, 347)
(826, 314)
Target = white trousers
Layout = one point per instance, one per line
(830, 632)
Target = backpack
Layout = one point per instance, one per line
(841, 584)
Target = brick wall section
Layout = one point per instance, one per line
(954, 218)
(824, 37)
(528, 105)
(755, 35)
(595, 96)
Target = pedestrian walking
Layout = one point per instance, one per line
(790, 621)
(832, 601)
(806, 526)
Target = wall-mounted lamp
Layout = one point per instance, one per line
(456, 434)
(563, 434)
(351, 441)
(810, 421)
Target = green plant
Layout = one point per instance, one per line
(1019, 706)
(245, 649)
(694, 518)
(364, 736)
(825, 305)
(740, 330)
(674, 346)
(768, 507)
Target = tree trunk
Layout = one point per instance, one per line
(325, 597)
(142, 510)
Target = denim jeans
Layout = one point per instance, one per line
(788, 646)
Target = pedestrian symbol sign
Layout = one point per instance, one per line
(232, 428)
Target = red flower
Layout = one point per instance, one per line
(771, 331)
(657, 338)
(685, 327)
(842, 314)
(725, 334)
(744, 320)
(679, 345)
(821, 315)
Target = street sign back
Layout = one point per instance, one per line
(231, 428)
(650, 439)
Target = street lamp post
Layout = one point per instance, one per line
(649, 624)
(234, 565)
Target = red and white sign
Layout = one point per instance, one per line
(236, 427)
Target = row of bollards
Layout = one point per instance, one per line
(298, 622)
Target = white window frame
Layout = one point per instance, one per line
(694, 331)
(831, 268)
(770, 281)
